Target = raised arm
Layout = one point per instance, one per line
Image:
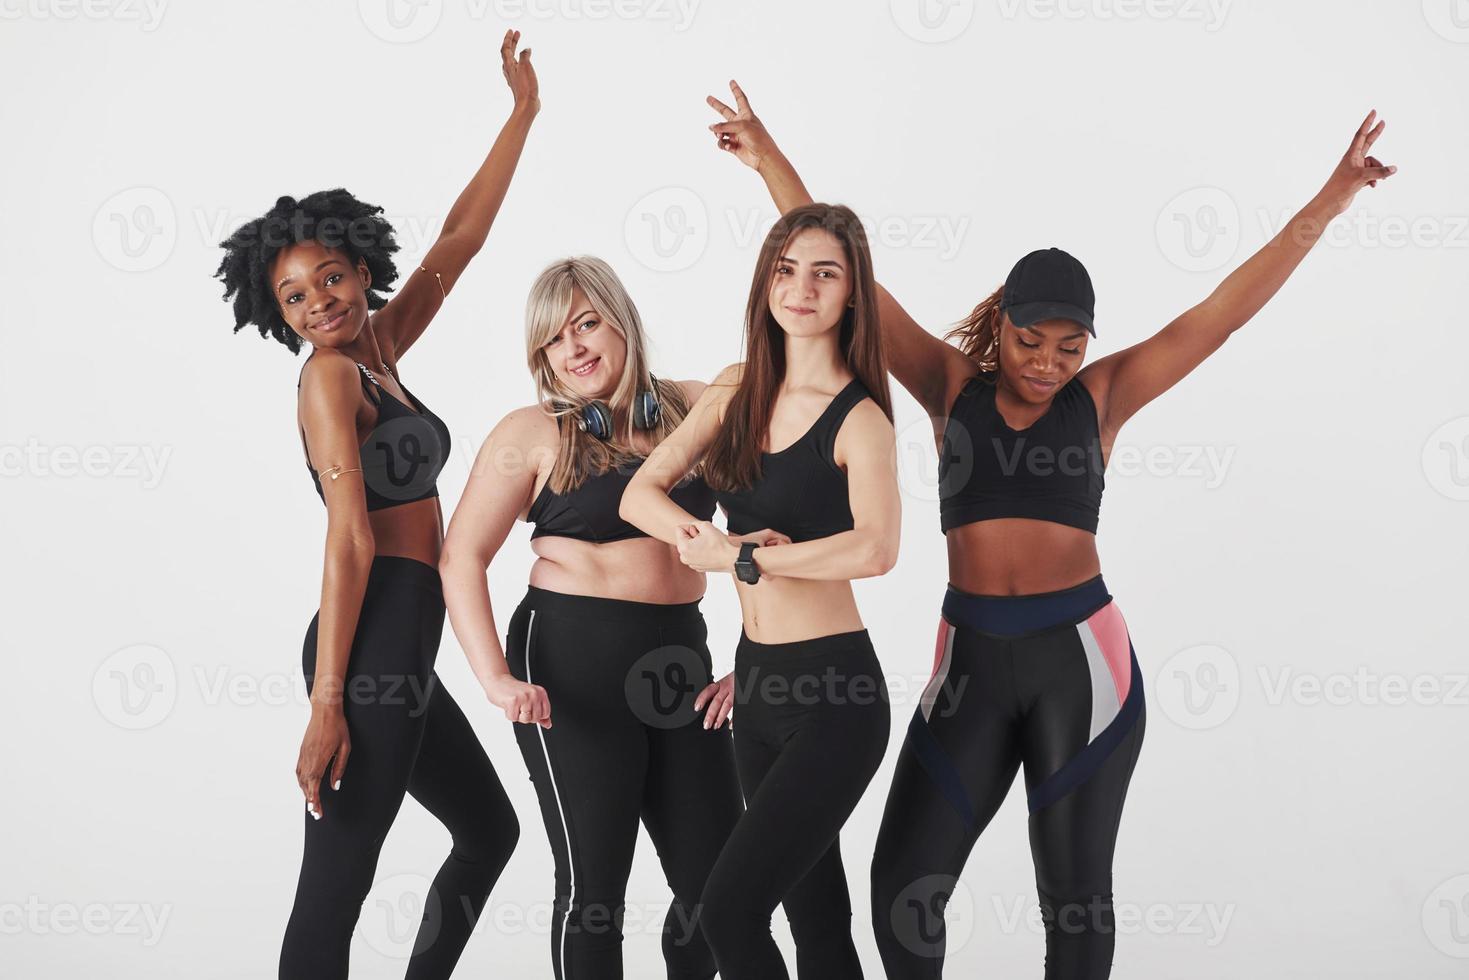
(922, 363)
(404, 319)
(645, 502)
(330, 395)
(499, 488)
(1122, 383)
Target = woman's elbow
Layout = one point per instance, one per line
(880, 555)
(455, 560)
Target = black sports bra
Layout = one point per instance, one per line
(1051, 471)
(589, 512)
(404, 453)
(801, 491)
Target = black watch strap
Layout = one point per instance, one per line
(745, 569)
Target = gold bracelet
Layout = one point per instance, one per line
(336, 471)
(442, 292)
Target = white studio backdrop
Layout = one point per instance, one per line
(1285, 531)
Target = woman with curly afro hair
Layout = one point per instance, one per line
(315, 272)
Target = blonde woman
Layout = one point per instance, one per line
(609, 633)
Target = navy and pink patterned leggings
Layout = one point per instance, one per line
(1050, 681)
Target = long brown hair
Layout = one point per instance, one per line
(582, 454)
(978, 334)
(732, 461)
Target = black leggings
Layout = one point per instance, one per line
(1049, 680)
(407, 734)
(811, 726)
(624, 743)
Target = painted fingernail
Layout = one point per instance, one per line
(337, 784)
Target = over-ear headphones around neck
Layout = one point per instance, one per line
(595, 417)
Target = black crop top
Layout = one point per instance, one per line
(589, 512)
(403, 454)
(801, 491)
(1051, 471)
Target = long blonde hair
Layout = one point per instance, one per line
(582, 454)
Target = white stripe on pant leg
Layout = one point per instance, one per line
(570, 867)
(1105, 705)
(940, 672)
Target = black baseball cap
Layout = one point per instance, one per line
(1047, 284)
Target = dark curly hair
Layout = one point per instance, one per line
(333, 218)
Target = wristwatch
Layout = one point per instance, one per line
(745, 569)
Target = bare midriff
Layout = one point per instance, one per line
(637, 570)
(414, 530)
(784, 610)
(1017, 556)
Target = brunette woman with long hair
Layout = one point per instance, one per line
(797, 442)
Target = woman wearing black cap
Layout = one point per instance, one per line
(1030, 636)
